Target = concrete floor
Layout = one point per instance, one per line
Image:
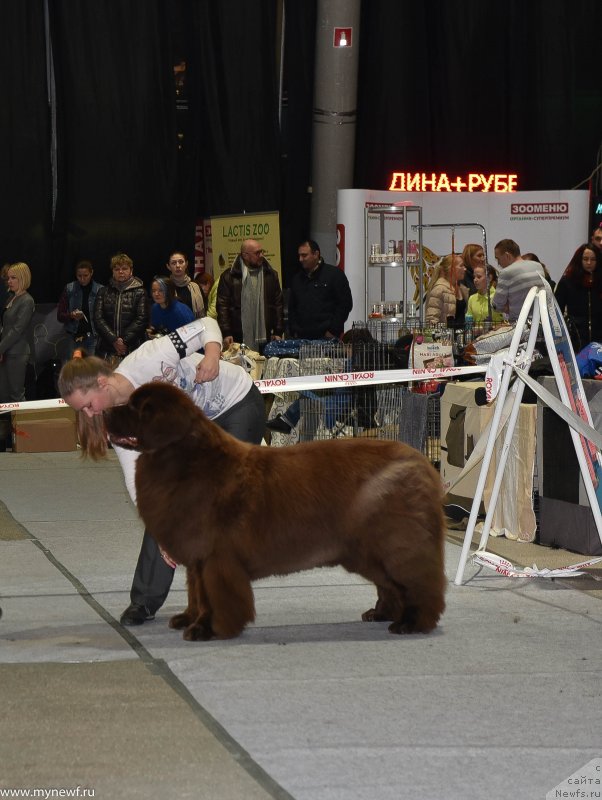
(502, 701)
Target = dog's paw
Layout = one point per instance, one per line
(198, 632)
(401, 627)
(411, 623)
(179, 621)
(374, 615)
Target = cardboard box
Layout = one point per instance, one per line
(48, 431)
(433, 355)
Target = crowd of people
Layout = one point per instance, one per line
(463, 284)
(113, 319)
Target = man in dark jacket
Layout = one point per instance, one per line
(320, 298)
(250, 308)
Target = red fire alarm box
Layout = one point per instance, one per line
(342, 37)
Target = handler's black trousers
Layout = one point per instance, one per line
(153, 577)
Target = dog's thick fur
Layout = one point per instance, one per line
(233, 512)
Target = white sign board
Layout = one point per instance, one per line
(551, 224)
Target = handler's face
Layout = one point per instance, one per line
(91, 402)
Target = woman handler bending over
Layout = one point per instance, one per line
(224, 392)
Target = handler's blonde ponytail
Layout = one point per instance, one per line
(81, 373)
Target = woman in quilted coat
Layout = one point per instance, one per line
(446, 297)
(121, 311)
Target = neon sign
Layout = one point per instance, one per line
(441, 182)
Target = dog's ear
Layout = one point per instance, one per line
(164, 415)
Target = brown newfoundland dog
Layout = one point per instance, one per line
(372, 506)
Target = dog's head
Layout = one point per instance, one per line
(155, 416)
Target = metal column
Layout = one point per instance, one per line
(334, 117)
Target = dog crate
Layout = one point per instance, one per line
(432, 443)
(389, 331)
(389, 411)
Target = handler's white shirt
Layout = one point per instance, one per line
(158, 360)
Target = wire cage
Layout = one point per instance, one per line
(432, 442)
(391, 330)
(324, 413)
(384, 412)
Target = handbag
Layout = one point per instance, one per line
(480, 350)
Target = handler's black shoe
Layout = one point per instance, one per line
(279, 424)
(136, 615)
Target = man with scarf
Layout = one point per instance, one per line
(250, 307)
(186, 290)
(120, 311)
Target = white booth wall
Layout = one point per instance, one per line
(551, 224)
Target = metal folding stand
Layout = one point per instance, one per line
(543, 307)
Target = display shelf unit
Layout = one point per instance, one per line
(393, 241)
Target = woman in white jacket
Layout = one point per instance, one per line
(224, 391)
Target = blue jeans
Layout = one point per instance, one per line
(88, 343)
(336, 405)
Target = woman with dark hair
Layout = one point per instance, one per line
(185, 289)
(205, 281)
(75, 309)
(579, 294)
(167, 312)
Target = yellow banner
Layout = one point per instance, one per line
(230, 231)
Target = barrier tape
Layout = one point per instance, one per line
(306, 382)
(367, 378)
(506, 568)
(34, 405)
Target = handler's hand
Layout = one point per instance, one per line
(168, 559)
(120, 347)
(208, 369)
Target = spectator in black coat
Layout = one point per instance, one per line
(320, 298)
(121, 311)
(579, 295)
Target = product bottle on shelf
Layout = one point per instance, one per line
(468, 328)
